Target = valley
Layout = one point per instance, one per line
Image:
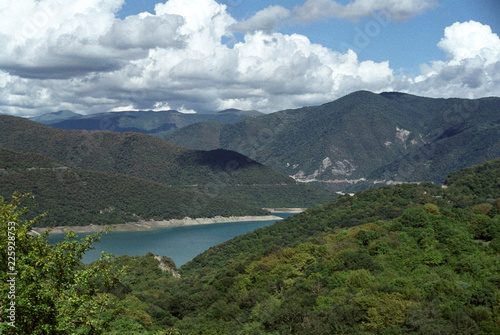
(361, 215)
(359, 264)
(230, 167)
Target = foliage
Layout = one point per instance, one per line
(340, 283)
(78, 197)
(368, 206)
(479, 183)
(44, 289)
(403, 259)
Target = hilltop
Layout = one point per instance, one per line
(218, 172)
(362, 139)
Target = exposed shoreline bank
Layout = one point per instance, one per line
(285, 210)
(143, 225)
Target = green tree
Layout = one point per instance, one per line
(45, 289)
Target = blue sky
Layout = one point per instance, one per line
(94, 56)
(405, 44)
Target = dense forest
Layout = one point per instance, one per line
(404, 259)
(75, 197)
(217, 172)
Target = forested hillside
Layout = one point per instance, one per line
(378, 137)
(73, 196)
(405, 259)
(477, 183)
(219, 172)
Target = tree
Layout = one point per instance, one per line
(45, 289)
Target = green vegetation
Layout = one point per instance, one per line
(388, 136)
(77, 197)
(481, 182)
(44, 289)
(16, 161)
(151, 158)
(275, 195)
(405, 259)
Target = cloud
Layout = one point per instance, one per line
(272, 17)
(265, 20)
(397, 10)
(472, 65)
(144, 32)
(87, 60)
(61, 39)
(470, 39)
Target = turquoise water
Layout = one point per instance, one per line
(179, 243)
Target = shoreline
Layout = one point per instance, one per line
(144, 225)
(285, 210)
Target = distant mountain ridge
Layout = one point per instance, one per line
(157, 123)
(362, 139)
(218, 172)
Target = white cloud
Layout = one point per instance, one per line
(265, 20)
(144, 32)
(87, 60)
(64, 39)
(470, 39)
(398, 10)
(472, 65)
(291, 66)
(272, 17)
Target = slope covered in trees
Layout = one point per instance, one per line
(406, 259)
(481, 182)
(44, 289)
(74, 196)
(151, 158)
(380, 137)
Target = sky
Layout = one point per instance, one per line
(92, 56)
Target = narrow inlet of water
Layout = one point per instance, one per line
(179, 243)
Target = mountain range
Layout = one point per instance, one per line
(158, 123)
(362, 139)
(218, 172)
(413, 258)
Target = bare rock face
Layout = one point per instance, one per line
(165, 268)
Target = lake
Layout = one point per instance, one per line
(179, 243)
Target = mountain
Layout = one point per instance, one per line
(75, 196)
(362, 138)
(401, 259)
(147, 122)
(219, 172)
(56, 117)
